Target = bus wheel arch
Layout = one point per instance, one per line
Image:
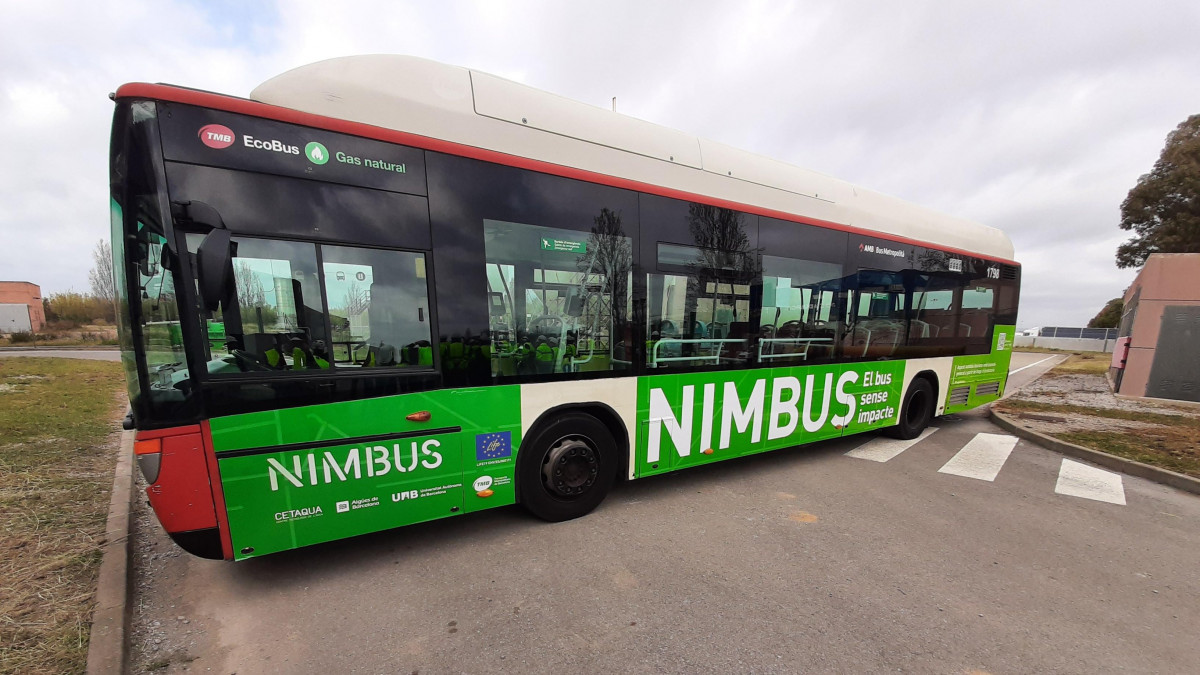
(918, 408)
(568, 461)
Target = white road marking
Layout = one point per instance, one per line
(882, 449)
(1082, 480)
(982, 457)
(1014, 372)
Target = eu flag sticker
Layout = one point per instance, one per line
(493, 446)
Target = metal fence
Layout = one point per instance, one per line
(1085, 333)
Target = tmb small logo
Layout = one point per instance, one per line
(216, 136)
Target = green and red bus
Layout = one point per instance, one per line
(383, 290)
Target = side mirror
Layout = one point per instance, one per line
(213, 268)
(214, 273)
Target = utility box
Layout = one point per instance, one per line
(15, 319)
(1162, 323)
(1120, 353)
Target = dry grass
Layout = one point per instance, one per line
(1173, 443)
(58, 418)
(1173, 448)
(1184, 421)
(1092, 363)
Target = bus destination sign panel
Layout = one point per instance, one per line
(232, 141)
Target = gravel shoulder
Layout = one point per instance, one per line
(166, 635)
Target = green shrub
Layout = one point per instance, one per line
(22, 336)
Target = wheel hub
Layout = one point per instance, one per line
(571, 467)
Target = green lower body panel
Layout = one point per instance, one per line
(698, 418)
(979, 380)
(308, 475)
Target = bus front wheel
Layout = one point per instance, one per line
(916, 412)
(566, 468)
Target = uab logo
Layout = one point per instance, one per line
(217, 136)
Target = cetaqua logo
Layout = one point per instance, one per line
(298, 514)
(216, 136)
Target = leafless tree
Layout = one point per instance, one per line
(357, 300)
(250, 290)
(104, 284)
(102, 280)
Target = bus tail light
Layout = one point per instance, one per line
(149, 457)
(180, 488)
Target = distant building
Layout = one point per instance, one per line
(21, 307)
(1158, 353)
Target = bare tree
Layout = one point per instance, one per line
(250, 290)
(104, 284)
(357, 300)
(102, 279)
(610, 256)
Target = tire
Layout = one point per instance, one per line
(916, 412)
(567, 467)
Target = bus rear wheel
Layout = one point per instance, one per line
(916, 412)
(567, 467)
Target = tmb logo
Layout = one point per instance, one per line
(216, 136)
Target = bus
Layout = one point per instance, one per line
(384, 290)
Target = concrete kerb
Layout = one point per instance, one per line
(1127, 466)
(107, 646)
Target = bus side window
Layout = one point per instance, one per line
(799, 321)
(559, 301)
(701, 315)
(279, 305)
(879, 322)
(378, 308)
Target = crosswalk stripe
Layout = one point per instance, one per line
(882, 449)
(1077, 479)
(982, 457)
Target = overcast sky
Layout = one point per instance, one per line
(1033, 117)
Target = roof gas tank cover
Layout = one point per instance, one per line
(472, 108)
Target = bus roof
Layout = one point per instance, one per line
(472, 108)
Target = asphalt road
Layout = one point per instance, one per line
(802, 560)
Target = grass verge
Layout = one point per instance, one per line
(57, 422)
(1170, 448)
(1173, 445)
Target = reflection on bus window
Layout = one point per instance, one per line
(378, 307)
(800, 320)
(559, 300)
(162, 337)
(280, 322)
(877, 322)
(701, 316)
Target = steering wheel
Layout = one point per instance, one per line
(245, 360)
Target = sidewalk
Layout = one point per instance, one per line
(1071, 410)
